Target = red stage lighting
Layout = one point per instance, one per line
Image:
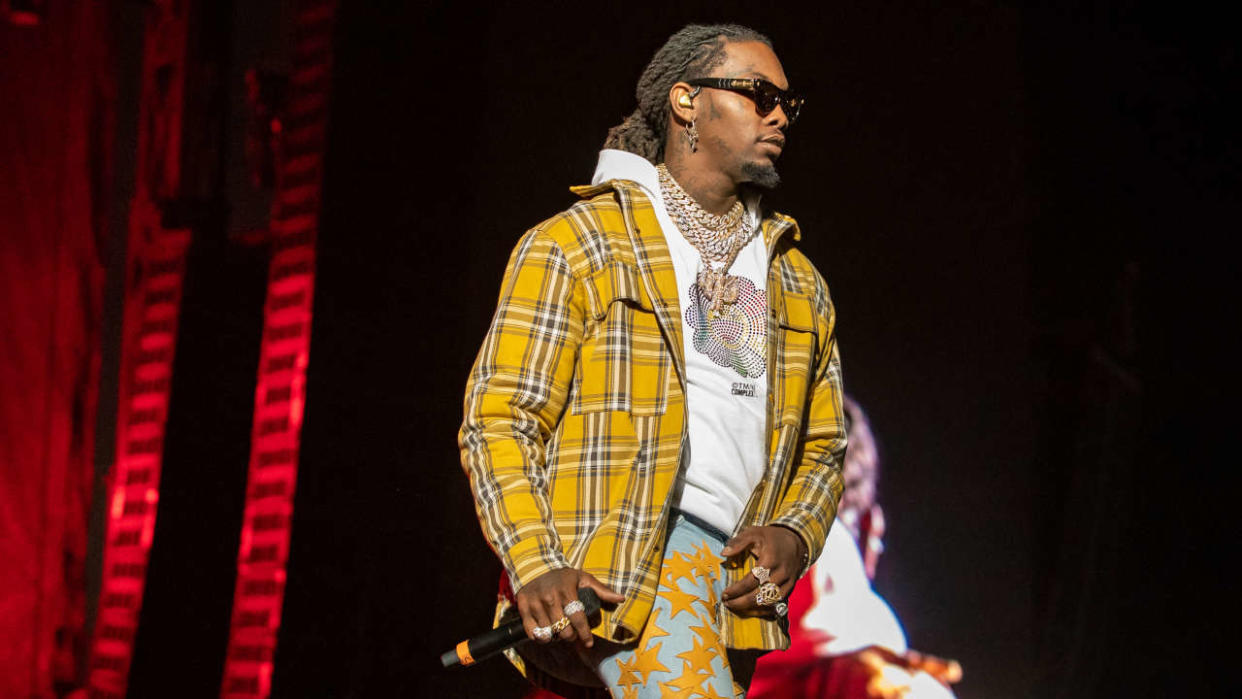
(23, 13)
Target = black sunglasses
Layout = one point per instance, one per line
(765, 94)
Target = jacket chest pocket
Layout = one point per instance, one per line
(799, 342)
(624, 364)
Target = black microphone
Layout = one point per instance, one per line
(484, 645)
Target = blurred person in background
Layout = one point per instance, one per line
(845, 639)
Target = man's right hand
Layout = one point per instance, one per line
(542, 601)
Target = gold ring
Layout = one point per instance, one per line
(560, 625)
(768, 594)
(761, 574)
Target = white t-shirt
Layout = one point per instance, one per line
(726, 362)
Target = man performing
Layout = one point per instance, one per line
(655, 412)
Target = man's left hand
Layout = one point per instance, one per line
(776, 548)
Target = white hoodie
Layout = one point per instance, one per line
(726, 362)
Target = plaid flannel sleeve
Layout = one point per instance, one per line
(514, 397)
(810, 503)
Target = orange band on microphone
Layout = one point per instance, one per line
(463, 653)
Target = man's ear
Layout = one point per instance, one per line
(681, 101)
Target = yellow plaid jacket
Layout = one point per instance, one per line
(575, 417)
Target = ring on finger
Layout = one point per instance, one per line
(574, 607)
(767, 594)
(559, 625)
(543, 633)
(781, 609)
(761, 573)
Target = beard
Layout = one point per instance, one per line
(761, 175)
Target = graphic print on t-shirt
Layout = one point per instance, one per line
(736, 337)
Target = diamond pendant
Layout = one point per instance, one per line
(719, 288)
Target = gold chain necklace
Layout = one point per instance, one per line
(718, 238)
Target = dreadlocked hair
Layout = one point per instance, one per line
(690, 53)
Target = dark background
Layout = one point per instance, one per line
(1015, 208)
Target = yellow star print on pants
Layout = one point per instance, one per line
(680, 652)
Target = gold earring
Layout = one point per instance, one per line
(692, 136)
(684, 101)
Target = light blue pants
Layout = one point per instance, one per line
(680, 652)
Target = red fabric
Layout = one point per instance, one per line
(826, 678)
(54, 124)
